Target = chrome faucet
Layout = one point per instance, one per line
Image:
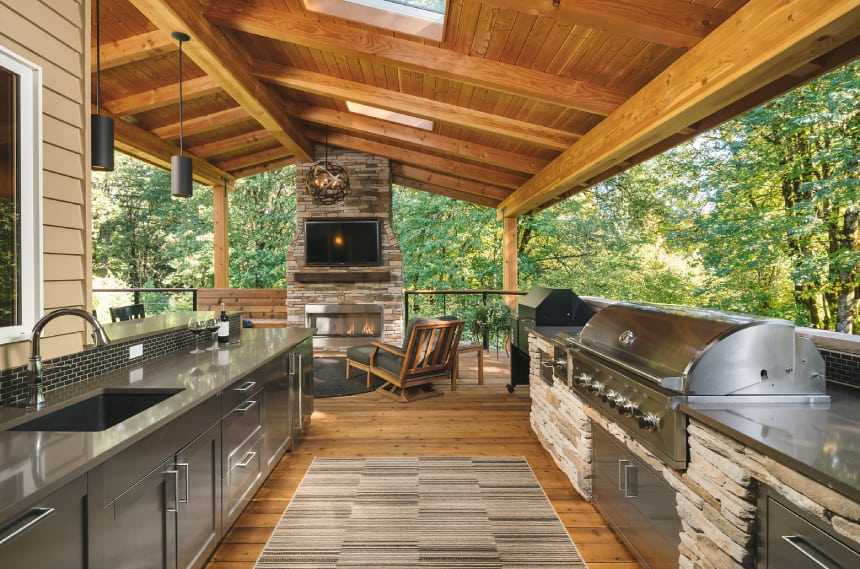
(36, 398)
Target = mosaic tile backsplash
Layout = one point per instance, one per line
(82, 366)
(842, 367)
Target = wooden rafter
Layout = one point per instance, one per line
(220, 59)
(443, 191)
(249, 160)
(674, 23)
(234, 143)
(328, 86)
(135, 48)
(448, 181)
(163, 96)
(342, 39)
(205, 123)
(758, 44)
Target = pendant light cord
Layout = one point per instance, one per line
(98, 62)
(180, 100)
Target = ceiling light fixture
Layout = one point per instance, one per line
(180, 166)
(327, 183)
(101, 127)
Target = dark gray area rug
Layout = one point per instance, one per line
(402, 513)
(330, 378)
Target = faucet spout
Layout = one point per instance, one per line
(36, 398)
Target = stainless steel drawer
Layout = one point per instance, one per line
(238, 392)
(244, 475)
(243, 422)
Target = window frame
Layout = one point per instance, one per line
(29, 146)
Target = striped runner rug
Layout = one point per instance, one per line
(403, 513)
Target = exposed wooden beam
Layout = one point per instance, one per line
(233, 143)
(418, 137)
(449, 181)
(213, 52)
(199, 125)
(443, 191)
(328, 86)
(510, 268)
(135, 48)
(134, 141)
(264, 167)
(760, 43)
(162, 96)
(257, 158)
(220, 227)
(674, 23)
(332, 36)
(445, 165)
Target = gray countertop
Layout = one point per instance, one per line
(821, 441)
(34, 463)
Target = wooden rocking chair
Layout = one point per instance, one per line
(428, 355)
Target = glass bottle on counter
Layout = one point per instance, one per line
(224, 328)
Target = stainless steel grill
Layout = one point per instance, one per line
(637, 362)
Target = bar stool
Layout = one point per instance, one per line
(465, 347)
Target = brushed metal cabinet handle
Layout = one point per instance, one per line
(39, 513)
(246, 386)
(175, 475)
(187, 473)
(807, 550)
(246, 406)
(631, 481)
(247, 460)
(622, 482)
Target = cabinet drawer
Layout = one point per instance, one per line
(244, 474)
(243, 422)
(239, 392)
(794, 542)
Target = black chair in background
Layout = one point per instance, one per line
(119, 313)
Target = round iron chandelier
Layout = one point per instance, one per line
(327, 183)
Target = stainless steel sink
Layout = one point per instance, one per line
(99, 412)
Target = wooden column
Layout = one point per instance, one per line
(509, 263)
(220, 265)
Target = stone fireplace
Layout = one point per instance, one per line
(347, 291)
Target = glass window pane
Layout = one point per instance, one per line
(10, 200)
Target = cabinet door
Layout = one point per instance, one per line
(305, 365)
(654, 525)
(276, 415)
(142, 532)
(199, 510)
(611, 465)
(50, 534)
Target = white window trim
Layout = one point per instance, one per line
(387, 15)
(30, 109)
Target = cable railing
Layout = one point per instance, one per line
(155, 300)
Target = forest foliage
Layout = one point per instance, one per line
(759, 215)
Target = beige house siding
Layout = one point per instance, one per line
(54, 34)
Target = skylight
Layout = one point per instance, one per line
(389, 116)
(422, 18)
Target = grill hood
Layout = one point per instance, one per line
(695, 351)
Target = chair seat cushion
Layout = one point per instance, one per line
(360, 353)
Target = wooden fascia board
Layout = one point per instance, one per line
(162, 96)
(205, 123)
(446, 165)
(147, 147)
(449, 181)
(331, 36)
(443, 191)
(673, 23)
(342, 89)
(757, 45)
(418, 137)
(213, 52)
(132, 49)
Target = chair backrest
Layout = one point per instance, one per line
(118, 313)
(431, 345)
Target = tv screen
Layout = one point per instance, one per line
(342, 242)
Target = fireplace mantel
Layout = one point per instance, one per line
(353, 276)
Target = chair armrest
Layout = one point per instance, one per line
(396, 350)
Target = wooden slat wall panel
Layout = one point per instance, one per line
(55, 36)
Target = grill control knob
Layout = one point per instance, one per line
(583, 379)
(627, 408)
(595, 387)
(609, 397)
(649, 422)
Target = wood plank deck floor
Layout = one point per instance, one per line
(474, 420)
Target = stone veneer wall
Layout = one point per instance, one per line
(716, 497)
(370, 196)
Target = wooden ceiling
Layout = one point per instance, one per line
(530, 102)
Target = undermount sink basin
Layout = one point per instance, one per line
(99, 412)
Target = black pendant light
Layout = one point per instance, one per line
(180, 166)
(101, 127)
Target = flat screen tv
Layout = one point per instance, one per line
(342, 242)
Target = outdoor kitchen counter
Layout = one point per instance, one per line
(34, 463)
(820, 441)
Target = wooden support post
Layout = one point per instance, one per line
(220, 265)
(509, 264)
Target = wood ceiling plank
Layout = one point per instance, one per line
(675, 23)
(448, 181)
(206, 123)
(147, 147)
(759, 44)
(231, 144)
(255, 159)
(440, 164)
(264, 167)
(132, 49)
(213, 52)
(341, 38)
(431, 141)
(443, 191)
(325, 85)
(162, 96)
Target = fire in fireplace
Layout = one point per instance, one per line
(340, 326)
